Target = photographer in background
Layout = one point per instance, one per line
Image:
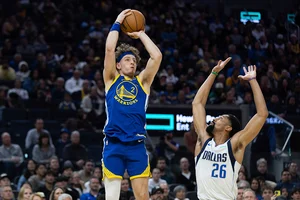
(167, 147)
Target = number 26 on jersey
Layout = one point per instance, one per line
(219, 171)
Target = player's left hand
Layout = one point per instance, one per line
(221, 64)
(135, 35)
(250, 74)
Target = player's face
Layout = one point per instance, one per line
(127, 65)
(218, 124)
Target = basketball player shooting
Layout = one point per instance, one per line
(126, 103)
(221, 144)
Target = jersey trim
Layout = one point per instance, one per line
(202, 149)
(139, 81)
(116, 78)
(232, 158)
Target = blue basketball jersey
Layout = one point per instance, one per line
(126, 104)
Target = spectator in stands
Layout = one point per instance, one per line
(62, 182)
(98, 174)
(240, 194)
(7, 73)
(255, 186)
(74, 84)
(285, 181)
(126, 191)
(37, 180)
(190, 139)
(293, 169)
(43, 151)
(186, 177)
(11, 156)
(28, 172)
(23, 94)
(249, 194)
(4, 180)
(62, 142)
(67, 104)
(25, 193)
(95, 186)
(284, 192)
(262, 168)
(165, 172)
(268, 193)
(8, 50)
(180, 192)
(23, 72)
(25, 48)
(155, 180)
(68, 169)
(75, 152)
(295, 194)
(93, 106)
(167, 147)
(33, 135)
(58, 92)
(54, 166)
(87, 172)
(76, 183)
(157, 193)
(56, 192)
(6, 193)
(65, 197)
(49, 184)
(167, 194)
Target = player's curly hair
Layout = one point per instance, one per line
(125, 48)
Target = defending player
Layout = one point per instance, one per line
(221, 144)
(126, 104)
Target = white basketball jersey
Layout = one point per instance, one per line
(216, 172)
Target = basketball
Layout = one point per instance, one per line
(134, 22)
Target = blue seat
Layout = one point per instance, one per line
(10, 114)
(36, 113)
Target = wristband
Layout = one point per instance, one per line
(215, 73)
(116, 27)
(251, 79)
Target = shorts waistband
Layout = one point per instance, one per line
(117, 140)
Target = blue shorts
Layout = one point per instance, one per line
(120, 156)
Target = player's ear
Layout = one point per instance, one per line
(228, 128)
(118, 65)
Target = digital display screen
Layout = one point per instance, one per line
(251, 16)
(178, 120)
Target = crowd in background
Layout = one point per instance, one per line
(52, 57)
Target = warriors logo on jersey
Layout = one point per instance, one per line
(126, 93)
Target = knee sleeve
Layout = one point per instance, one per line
(112, 188)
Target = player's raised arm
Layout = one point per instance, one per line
(199, 102)
(244, 137)
(148, 74)
(110, 71)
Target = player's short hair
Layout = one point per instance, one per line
(122, 48)
(235, 124)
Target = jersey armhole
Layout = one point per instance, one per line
(202, 149)
(116, 78)
(231, 156)
(139, 81)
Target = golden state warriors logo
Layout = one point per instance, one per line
(126, 93)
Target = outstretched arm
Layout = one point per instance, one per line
(244, 137)
(148, 74)
(199, 102)
(110, 71)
